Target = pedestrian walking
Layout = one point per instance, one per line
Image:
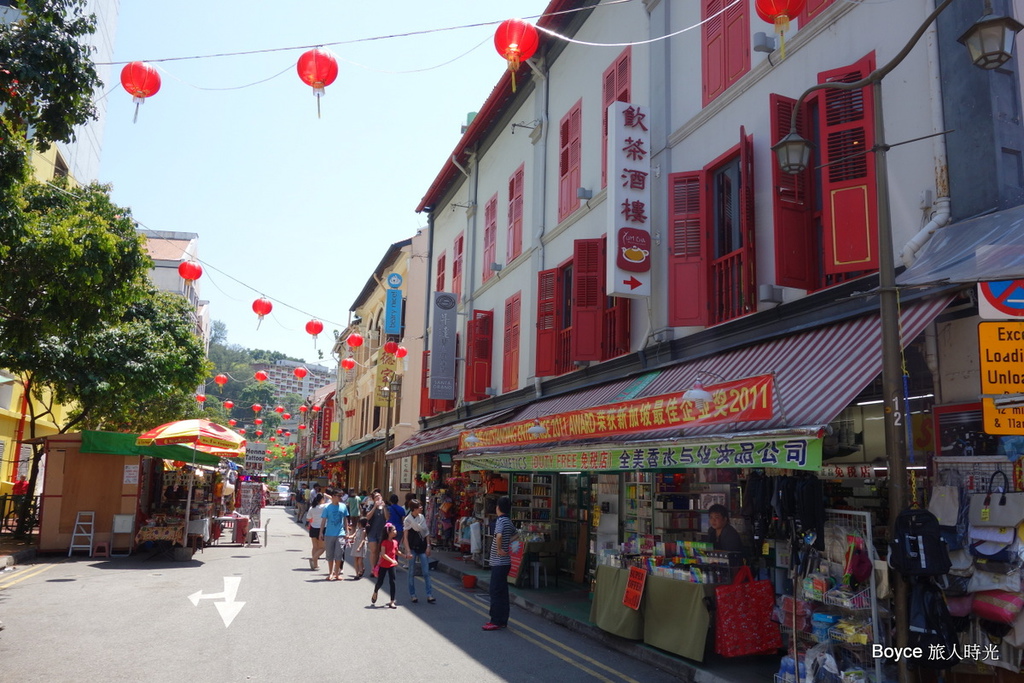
(501, 563)
(396, 516)
(388, 562)
(314, 520)
(354, 510)
(417, 546)
(333, 530)
(376, 518)
(357, 546)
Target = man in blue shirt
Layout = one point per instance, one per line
(501, 563)
(332, 530)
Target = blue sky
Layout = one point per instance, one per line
(298, 208)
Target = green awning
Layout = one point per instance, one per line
(118, 443)
(354, 449)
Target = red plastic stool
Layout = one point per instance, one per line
(101, 549)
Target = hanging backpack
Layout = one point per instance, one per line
(916, 548)
(931, 626)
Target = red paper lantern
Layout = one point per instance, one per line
(258, 421)
(280, 431)
(303, 409)
(190, 271)
(317, 68)
(273, 438)
(391, 347)
(260, 376)
(241, 430)
(348, 363)
(229, 404)
(262, 307)
(279, 409)
(354, 340)
(232, 422)
(314, 327)
(300, 372)
(316, 409)
(287, 416)
(259, 432)
(141, 81)
(516, 40)
(779, 12)
(302, 426)
(256, 407)
(402, 352)
(221, 379)
(201, 398)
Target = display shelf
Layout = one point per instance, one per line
(637, 503)
(532, 497)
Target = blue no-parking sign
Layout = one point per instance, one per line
(1001, 300)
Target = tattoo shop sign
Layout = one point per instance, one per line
(790, 453)
(742, 400)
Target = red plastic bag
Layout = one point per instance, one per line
(743, 617)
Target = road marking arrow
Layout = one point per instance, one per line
(228, 609)
(632, 282)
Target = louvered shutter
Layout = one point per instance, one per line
(615, 87)
(748, 277)
(479, 344)
(849, 216)
(457, 266)
(792, 206)
(688, 260)
(514, 243)
(426, 405)
(440, 277)
(713, 50)
(490, 235)
(569, 132)
(617, 326)
(547, 321)
(510, 356)
(588, 297)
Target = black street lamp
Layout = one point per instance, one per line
(990, 41)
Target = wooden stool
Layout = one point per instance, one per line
(196, 541)
(102, 549)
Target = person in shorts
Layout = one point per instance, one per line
(333, 530)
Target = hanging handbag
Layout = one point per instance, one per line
(743, 617)
(997, 605)
(987, 581)
(997, 508)
(995, 544)
(945, 500)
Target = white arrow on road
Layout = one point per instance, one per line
(228, 609)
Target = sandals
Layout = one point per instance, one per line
(373, 599)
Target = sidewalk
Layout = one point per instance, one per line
(14, 551)
(568, 604)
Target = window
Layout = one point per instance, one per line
(439, 282)
(457, 266)
(479, 344)
(576, 320)
(569, 132)
(514, 243)
(510, 358)
(726, 45)
(711, 240)
(615, 84)
(490, 235)
(830, 236)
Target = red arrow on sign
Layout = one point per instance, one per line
(632, 282)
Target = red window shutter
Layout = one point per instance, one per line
(510, 357)
(426, 405)
(615, 86)
(792, 207)
(849, 218)
(748, 282)
(725, 45)
(548, 291)
(812, 9)
(457, 266)
(490, 235)
(439, 281)
(588, 296)
(514, 243)
(737, 41)
(479, 342)
(569, 133)
(688, 259)
(617, 327)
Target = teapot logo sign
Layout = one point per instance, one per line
(634, 250)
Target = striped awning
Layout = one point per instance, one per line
(818, 373)
(441, 438)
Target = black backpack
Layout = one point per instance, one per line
(916, 548)
(931, 625)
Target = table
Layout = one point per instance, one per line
(239, 525)
(672, 616)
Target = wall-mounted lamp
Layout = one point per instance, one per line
(537, 428)
(497, 267)
(699, 395)
(528, 125)
(990, 39)
(491, 391)
(584, 193)
(764, 42)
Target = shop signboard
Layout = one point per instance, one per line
(1001, 349)
(634, 587)
(387, 373)
(790, 453)
(741, 400)
(629, 251)
(254, 457)
(442, 347)
(393, 306)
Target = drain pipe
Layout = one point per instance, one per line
(940, 207)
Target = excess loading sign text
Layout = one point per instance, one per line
(1001, 350)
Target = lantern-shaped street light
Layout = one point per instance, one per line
(990, 39)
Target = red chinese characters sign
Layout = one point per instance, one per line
(742, 400)
(629, 199)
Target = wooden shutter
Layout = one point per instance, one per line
(426, 405)
(510, 357)
(615, 87)
(588, 300)
(792, 206)
(569, 138)
(548, 304)
(812, 9)
(514, 243)
(490, 235)
(617, 327)
(849, 216)
(725, 47)
(737, 41)
(457, 265)
(479, 344)
(748, 275)
(439, 280)
(688, 259)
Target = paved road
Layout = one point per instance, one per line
(134, 619)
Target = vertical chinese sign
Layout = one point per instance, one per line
(629, 199)
(442, 348)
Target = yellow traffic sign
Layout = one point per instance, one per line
(1001, 351)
